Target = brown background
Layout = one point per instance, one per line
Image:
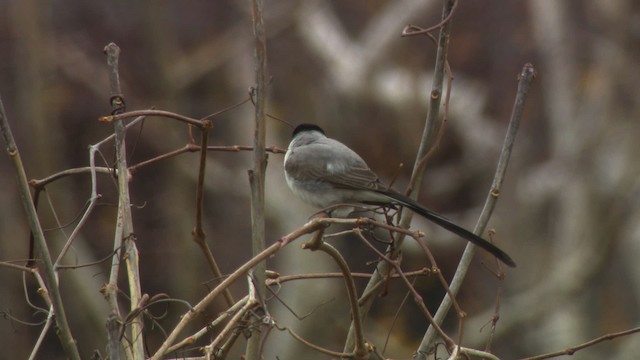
(568, 213)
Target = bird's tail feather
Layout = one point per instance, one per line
(449, 225)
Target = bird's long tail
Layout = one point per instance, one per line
(449, 225)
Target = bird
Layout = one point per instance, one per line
(324, 172)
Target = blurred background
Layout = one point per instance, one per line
(569, 211)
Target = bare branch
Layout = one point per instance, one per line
(416, 296)
(525, 79)
(124, 234)
(250, 303)
(257, 173)
(429, 135)
(307, 228)
(211, 325)
(319, 348)
(316, 243)
(64, 332)
(574, 349)
(199, 237)
(413, 30)
(205, 123)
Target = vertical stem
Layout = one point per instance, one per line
(257, 174)
(428, 138)
(124, 237)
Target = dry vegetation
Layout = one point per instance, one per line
(135, 265)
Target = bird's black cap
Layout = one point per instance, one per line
(306, 127)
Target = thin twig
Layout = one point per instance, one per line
(93, 263)
(413, 30)
(40, 183)
(16, 266)
(204, 123)
(307, 228)
(228, 108)
(317, 244)
(210, 326)
(471, 352)
(85, 216)
(396, 317)
(341, 355)
(50, 315)
(42, 292)
(574, 349)
(199, 237)
(416, 296)
(436, 270)
(223, 351)
(252, 302)
(43, 334)
(194, 148)
(286, 278)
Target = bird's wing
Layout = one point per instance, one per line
(326, 162)
(354, 177)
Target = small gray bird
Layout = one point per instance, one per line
(324, 172)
